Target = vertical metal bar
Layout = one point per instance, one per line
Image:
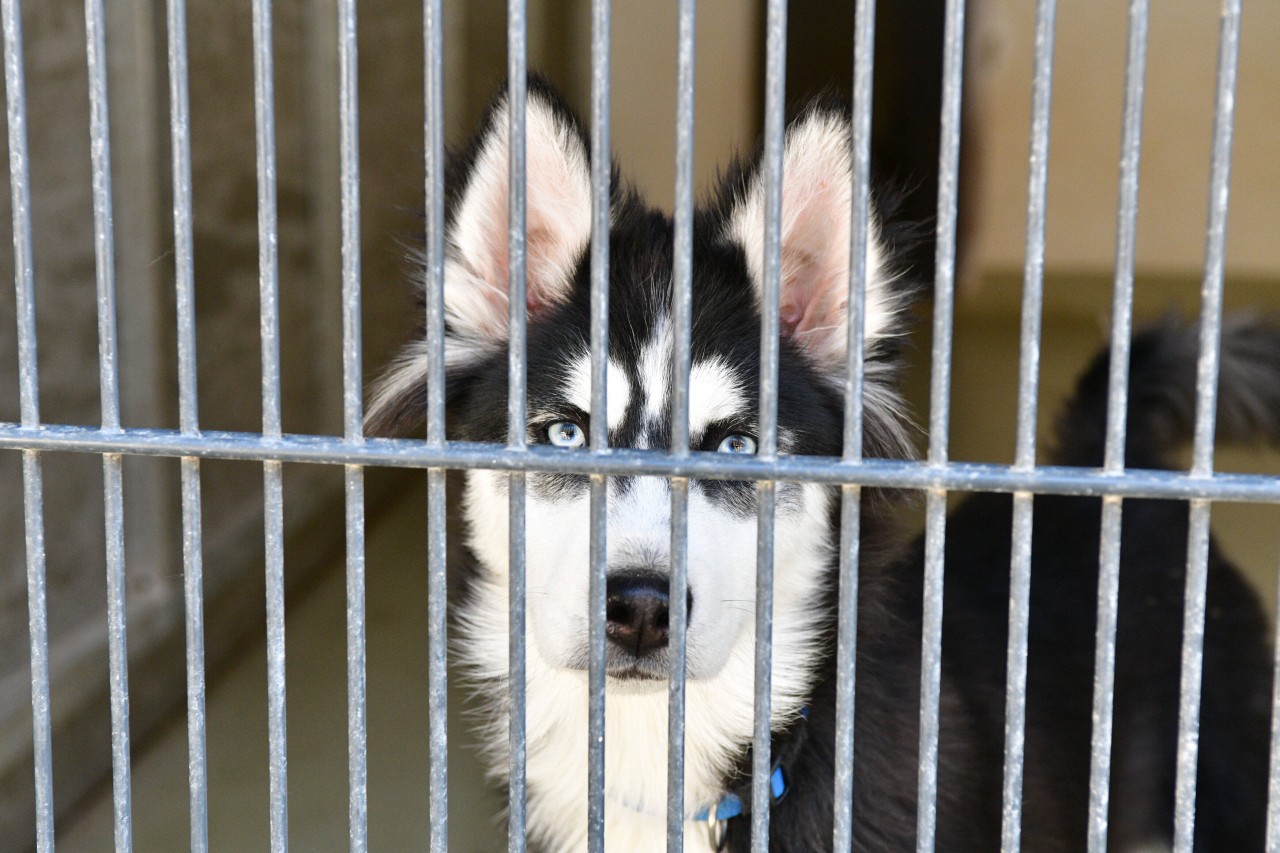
(1117, 408)
(1104, 672)
(851, 496)
(682, 320)
(774, 152)
(437, 620)
(109, 385)
(29, 397)
(599, 427)
(352, 416)
(188, 418)
(1025, 454)
(103, 238)
(939, 412)
(37, 622)
(1273, 783)
(1206, 413)
(517, 96)
(273, 486)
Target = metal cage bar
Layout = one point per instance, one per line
(437, 624)
(352, 429)
(1273, 784)
(29, 402)
(939, 414)
(1206, 418)
(767, 449)
(855, 375)
(109, 385)
(517, 79)
(188, 420)
(681, 319)
(599, 427)
(880, 473)
(1025, 452)
(1117, 407)
(273, 473)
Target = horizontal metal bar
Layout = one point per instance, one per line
(623, 462)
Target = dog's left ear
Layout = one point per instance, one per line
(816, 218)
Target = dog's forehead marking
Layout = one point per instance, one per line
(715, 394)
(715, 389)
(655, 367)
(578, 388)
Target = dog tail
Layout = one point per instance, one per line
(1162, 393)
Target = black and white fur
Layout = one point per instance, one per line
(728, 260)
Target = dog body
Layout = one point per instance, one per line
(728, 274)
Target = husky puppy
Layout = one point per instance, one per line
(728, 270)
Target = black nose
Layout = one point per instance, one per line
(637, 610)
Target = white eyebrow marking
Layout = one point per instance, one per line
(715, 394)
(578, 388)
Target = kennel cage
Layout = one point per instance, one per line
(935, 476)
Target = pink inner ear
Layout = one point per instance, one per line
(814, 254)
(547, 260)
(809, 302)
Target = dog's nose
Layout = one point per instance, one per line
(637, 610)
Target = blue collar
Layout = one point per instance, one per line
(730, 805)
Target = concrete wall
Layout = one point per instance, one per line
(226, 246)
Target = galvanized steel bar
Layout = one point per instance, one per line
(272, 475)
(183, 234)
(352, 416)
(188, 419)
(681, 320)
(1184, 806)
(437, 617)
(599, 428)
(1206, 414)
(767, 450)
(939, 413)
(517, 83)
(109, 389)
(855, 374)
(878, 473)
(103, 237)
(1025, 453)
(20, 187)
(113, 486)
(1273, 784)
(1117, 409)
(29, 401)
(193, 598)
(931, 668)
(38, 630)
(1104, 673)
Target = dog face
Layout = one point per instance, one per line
(728, 263)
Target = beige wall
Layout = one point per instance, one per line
(1088, 90)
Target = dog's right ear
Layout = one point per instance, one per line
(558, 229)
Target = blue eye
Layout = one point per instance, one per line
(738, 444)
(566, 434)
